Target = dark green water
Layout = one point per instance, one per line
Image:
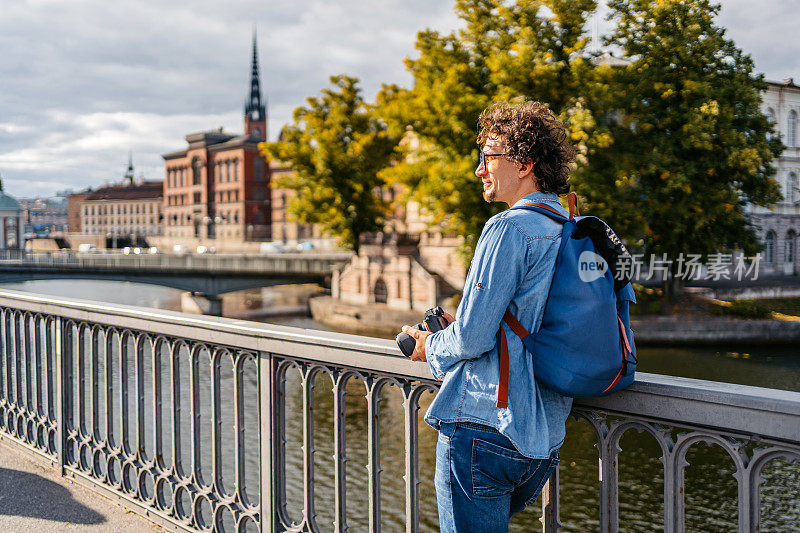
(711, 490)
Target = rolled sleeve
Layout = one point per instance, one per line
(497, 268)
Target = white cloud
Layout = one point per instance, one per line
(85, 81)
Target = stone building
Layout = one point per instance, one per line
(218, 186)
(74, 210)
(778, 226)
(388, 270)
(125, 214)
(11, 224)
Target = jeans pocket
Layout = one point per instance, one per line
(542, 475)
(496, 470)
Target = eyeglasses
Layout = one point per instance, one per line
(482, 156)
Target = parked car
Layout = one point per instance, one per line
(180, 249)
(153, 250)
(206, 249)
(272, 248)
(86, 248)
(304, 246)
(127, 250)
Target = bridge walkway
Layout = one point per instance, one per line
(35, 498)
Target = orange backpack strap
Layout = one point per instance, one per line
(572, 202)
(515, 325)
(520, 331)
(548, 208)
(502, 385)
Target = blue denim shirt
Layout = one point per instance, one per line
(512, 269)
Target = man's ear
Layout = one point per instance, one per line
(525, 169)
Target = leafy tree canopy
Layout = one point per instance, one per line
(691, 146)
(336, 146)
(528, 48)
(672, 140)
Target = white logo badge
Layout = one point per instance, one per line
(591, 266)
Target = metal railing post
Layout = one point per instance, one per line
(550, 517)
(266, 447)
(61, 386)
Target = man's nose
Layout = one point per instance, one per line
(481, 170)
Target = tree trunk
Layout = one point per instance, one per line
(673, 286)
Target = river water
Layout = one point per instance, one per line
(711, 490)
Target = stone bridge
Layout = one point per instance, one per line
(206, 276)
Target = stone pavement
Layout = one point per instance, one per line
(35, 498)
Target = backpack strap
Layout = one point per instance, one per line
(515, 325)
(520, 331)
(544, 209)
(572, 202)
(502, 384)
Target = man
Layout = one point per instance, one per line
(493, 461)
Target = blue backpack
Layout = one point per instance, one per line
(584, 346)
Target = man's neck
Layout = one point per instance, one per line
(523, 192)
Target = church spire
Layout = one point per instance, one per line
(128, 178)
(255, 113)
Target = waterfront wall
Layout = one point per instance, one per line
(665, 330)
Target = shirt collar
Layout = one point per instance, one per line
(537, 196)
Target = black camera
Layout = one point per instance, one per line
(433, 321)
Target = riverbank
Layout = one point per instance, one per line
(648, 330)
(373, 318)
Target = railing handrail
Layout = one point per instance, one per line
(768, 414)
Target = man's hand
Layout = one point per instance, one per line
(419, 336)
(419, 348)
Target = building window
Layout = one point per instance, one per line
(236, 169)
(788, 247)
(792, 130)
(381, 294)
(197, 197)
(769, 247)
(792, 191)
(197, 165)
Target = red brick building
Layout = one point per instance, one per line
(218, 186)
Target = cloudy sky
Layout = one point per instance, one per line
(83, 82)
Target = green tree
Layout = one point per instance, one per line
(533, 49)
(336, 146)
(684, 144)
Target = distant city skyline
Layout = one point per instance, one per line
(84, 84)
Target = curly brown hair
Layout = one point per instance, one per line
(532, 134)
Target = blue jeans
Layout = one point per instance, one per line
(482, 480)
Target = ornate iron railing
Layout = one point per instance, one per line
(183, 418)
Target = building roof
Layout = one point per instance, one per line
(7, 203)
(236, 142)
(788, 82)
(214, 141)
(146, 191)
